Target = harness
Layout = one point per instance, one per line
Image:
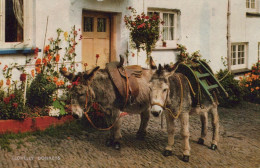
(87, 108)
(165, 103)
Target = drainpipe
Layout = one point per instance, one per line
(228, 37)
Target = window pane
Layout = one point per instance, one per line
(165, 19)
(171, 19)
(88, 24)
(234, 55)
(233, 48)
(165, 33)
(252, 4)
(247, 4)
(234, 62)
(171, 33)
(242, 60)
(14, 21)
(101, 27)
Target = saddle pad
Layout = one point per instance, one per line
(117, 78)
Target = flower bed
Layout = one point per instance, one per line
(31, 124)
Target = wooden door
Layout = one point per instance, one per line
(95, 39)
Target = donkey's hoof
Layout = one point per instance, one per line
(201, 141)
(167, 153)
(117, 146)
(213, 147)
(186, 158)
(109, 142)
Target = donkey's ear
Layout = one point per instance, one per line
(152, 64)
(89, 75)
(68, 75)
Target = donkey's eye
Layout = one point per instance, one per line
(164, 90)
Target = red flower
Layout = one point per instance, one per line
(36, 51)
(146, 17)
(69, 86)
(23, 77)
(6, 100)
(15, 105)
(141, 26)
(76, 82)
(86, 64)
(129, 7)
(97, 56)
(12, 96)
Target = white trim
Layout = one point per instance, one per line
(27, 30)
(238, 65)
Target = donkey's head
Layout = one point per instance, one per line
(81, 91)
(159, 86)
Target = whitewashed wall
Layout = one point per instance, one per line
(202, 26)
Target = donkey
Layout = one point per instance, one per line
(95, 85)
(170, 93)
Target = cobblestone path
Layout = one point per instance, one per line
(239, 146)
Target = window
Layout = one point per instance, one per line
(169, 29)
(251, 4)
(238, 55)
(16, 23)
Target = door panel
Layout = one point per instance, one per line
(96, 38)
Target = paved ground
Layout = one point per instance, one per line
(239, 146)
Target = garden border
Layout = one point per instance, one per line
(32, 124)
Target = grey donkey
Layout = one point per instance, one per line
(170, 94)
(95, 85)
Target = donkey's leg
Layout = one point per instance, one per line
(215, 125)
(204, 127)
(171, 132)
(115, 133)
(141, 133)
(184, 118)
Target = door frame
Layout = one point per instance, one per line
(113, 31)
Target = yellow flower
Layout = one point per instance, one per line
(66, 35)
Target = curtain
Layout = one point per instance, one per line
(18, 11)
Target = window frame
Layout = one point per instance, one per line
(27, 29)
(169, 43)
(250, 9)
(239, 66)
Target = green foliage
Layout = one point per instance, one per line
(232, 87)
(60, 105)
(40, 91)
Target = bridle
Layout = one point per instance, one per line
(87, 108)
(165, 102)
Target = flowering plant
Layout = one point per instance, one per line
(250, 83)
(144, 30)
